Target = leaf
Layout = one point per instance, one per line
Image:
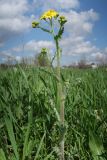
(2, 155)
(24, 76)
(61, 31)
(30, 147)
(40, 145)
(9, 127)
(26, 142)
(96, 146)
(49, 156)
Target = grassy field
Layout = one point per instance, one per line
(28, 116)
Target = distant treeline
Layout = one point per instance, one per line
(24, 65)
(44, 59)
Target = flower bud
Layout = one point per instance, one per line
(62, 20)
(35, 24)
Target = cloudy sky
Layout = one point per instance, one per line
(85, 32)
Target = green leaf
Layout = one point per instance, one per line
(96, 146)
(39, 148)
(26, 142)
(60, 33)
(49, 156)
(9, 127)
(2, 155)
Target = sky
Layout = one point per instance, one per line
(85, 35)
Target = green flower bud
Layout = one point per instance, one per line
(62, 20)
(56, 16)
(35, 24)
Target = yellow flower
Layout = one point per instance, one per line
(49, 14)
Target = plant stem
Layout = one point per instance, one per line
(60, 102)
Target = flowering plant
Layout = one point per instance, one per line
(49, 17)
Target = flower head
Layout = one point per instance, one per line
(49, 15)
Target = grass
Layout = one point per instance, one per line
(29, 127)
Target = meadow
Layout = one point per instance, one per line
(29, 128)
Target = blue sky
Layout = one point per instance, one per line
(86, 29)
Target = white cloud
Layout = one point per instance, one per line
(80, 23)
(59, 4)
(100, 57)
(32, 47)
(77, 46)
(106, 50)
(18, 58)
(12, 8)
(35, 46)
(68, 4)
(12, 18)
(14, 25)
(6, 55)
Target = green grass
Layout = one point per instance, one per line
(29, 127)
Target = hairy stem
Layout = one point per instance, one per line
(60, 101)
